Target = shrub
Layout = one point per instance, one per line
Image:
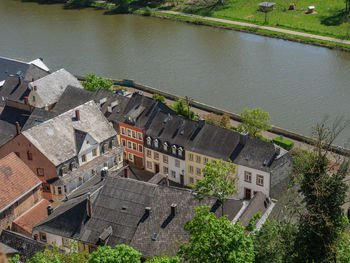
(147, 11)
(284, 143)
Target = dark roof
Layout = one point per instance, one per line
(71, 98)
(7, 250)
(8, 118)
(257, 204)
(161, 179)
(14, 89)
(37, 117)
(26, 246)
(79, 138)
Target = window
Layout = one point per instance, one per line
(191, 157)
(174, 149)
(260, 180)
(131, 157)
(205, 160)
(191, 180)
(40, 172)
(46, 187)
(177, 163)
(165, 170)
(165, 159)
(94, 152)
(140, 148)
(173, 174)
(42, 236)
(65, 188)
(122, 130)
(156, 156)
(123, 142)
(149, 165)
(247, 177)
(129, 133)
(30, 156)
(149, 140)
(129, 144)
(190, 169)
(149, 153)
(198, 159)
(180, 151)
(59, 190)
(165, 147)
(133, 134)
(198, 171)
(156, 143)
(134, 146)
(139, 136)
(83, 158)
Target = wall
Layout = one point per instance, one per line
(160, 162)
(252, 186)
(137, 141)
(31, 101)
(88, 145)
(177, 170)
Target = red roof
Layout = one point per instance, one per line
(33, 216)
(16, 179)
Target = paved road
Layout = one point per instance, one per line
(257, 26)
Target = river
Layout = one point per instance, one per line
(297, 84)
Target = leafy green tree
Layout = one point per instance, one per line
(219, 181)
(323, 222)
(93, 83)
(122, 5)
(158, 97)
(181, 108)
(164, 260)
(216, 240)
(14, 259)
(275, 242)
(222, 121)
(120, 254)
(255, 121)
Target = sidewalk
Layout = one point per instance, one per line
(280, 30)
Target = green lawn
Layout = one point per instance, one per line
(328, 19)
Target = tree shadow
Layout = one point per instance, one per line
(338, 17)
(45, 2)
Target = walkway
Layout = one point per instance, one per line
(280, 30)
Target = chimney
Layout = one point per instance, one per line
(77, 115)
(35, 88)
(18, 128)
(278, 151)
(26, 100)
(104, 172)
(148, 210)
(89, 205)
(242, 138)
(173, 210)
(49, 210)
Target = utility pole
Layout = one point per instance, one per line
(188, 101)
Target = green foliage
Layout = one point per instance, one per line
(94, 83)
(222, 121)
(275, 242)
(164, 260)
(284, 143)
(122, 5)
(121, 254)
(216, 240)
(158, 97)
(255, 121)
(147, 12)
(263, 138)
(81, 3)
(343, 251)
(181, 108)
(14, 259)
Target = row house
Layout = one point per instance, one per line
(67, 150)
(166, 141)
(21, 202)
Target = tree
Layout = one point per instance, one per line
(255, 121)
(216, 240)
(158, 97)
(120, 254)
(222, 121)
(164, 260)
(122, 5)
(323, 222)
(94, 83)
(219, 181)
(181, 108)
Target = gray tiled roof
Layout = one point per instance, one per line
(37, 117)
(51, 87)
(55, 138)
(14, 89)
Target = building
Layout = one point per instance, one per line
(20, 194)
(166, 142)
(116, 210)
(46, 91)
(67, 150)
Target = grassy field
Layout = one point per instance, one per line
(328, 20)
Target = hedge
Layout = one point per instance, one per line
(284, 143)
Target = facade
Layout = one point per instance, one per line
(69, 149)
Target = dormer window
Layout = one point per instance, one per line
(180, 151)
(64, 170)
(174, 149)
(156, 143)
(73, 166)
(165, 146)
(149, 141)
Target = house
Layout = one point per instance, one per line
(146, 216)
(20, 195)
(133, 122)
(67, 150)
(166, 142)
(46, 91)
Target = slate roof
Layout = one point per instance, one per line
(258, 203)
(7, 250)
(16, 179)
(37, 117)
(55, 138)
(51, 87)
(14, 89)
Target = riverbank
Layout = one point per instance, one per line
(305, 38)
(301, 141)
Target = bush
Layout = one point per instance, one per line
(264, 139)
(284, 143)
(147, 11)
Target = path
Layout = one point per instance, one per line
(280, 30)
